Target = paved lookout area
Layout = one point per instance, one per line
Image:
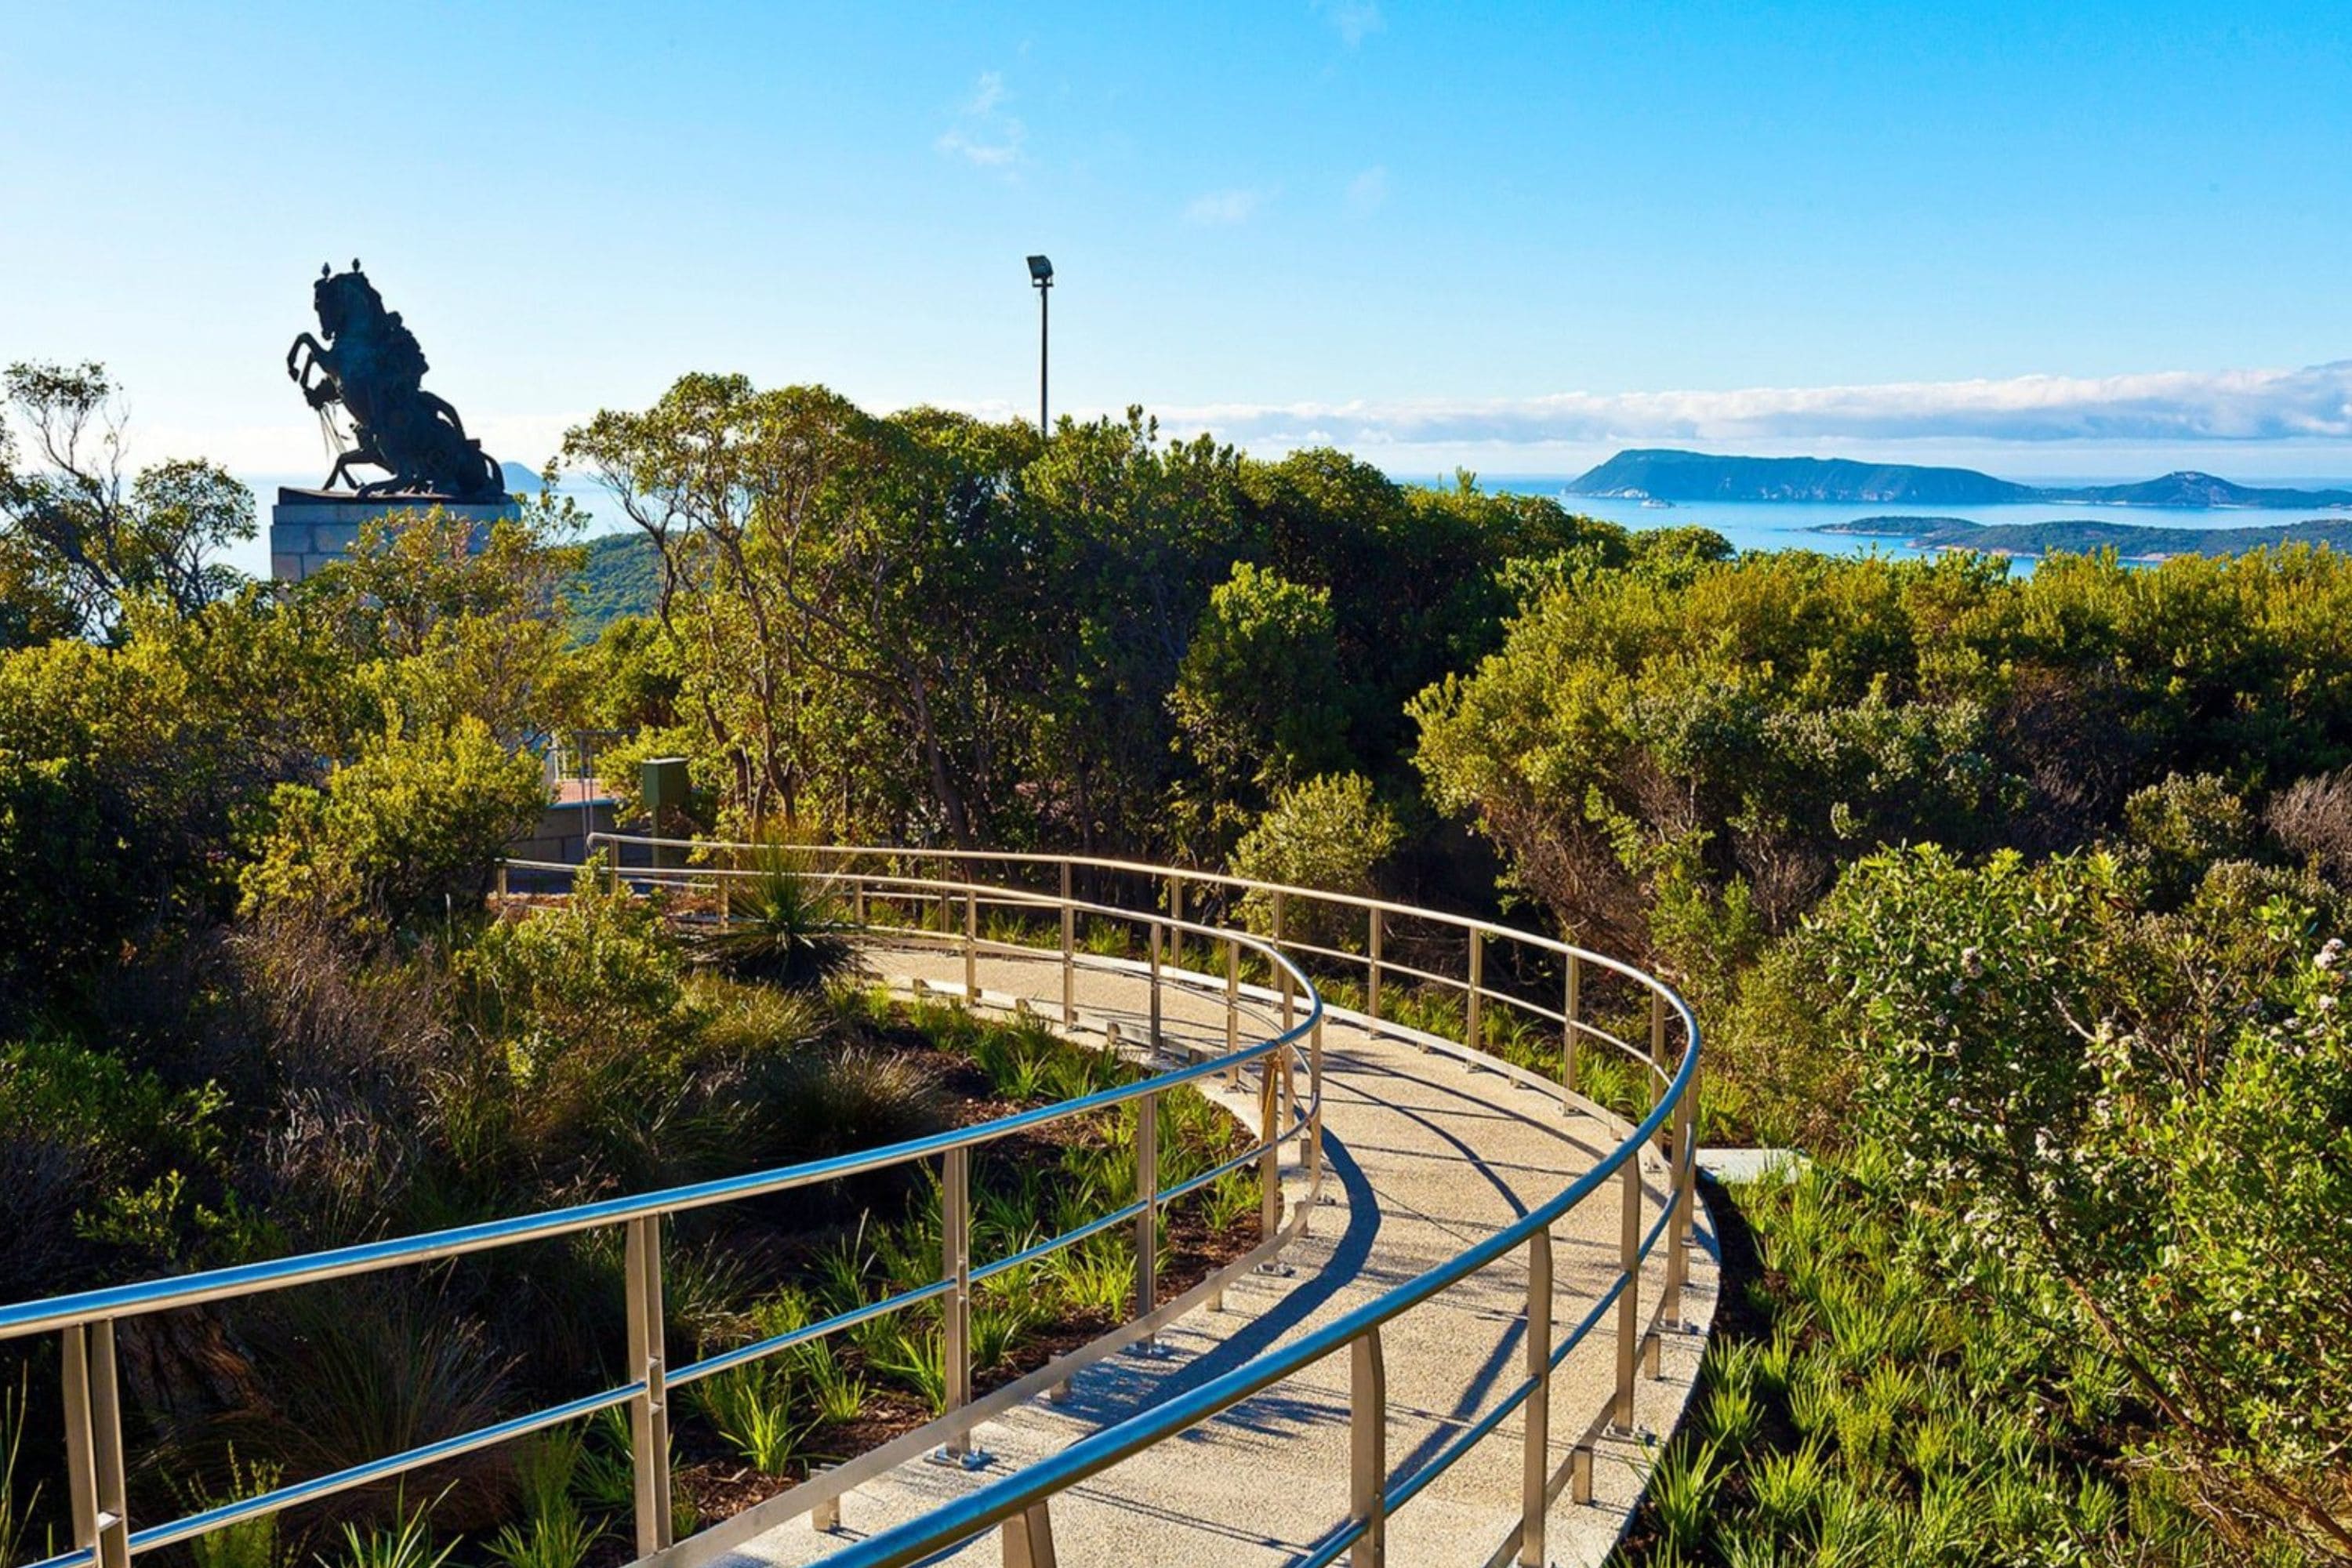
(1425, 1155)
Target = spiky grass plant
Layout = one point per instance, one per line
(751, 1408)
(916, 1359)
(1786, 1488)
(603, 1477)
(249, 1543)
(785, 928)
(16, 1509)
(406, 1543)
(1097, 1275)
(1682, 1494)
(1734, 1414)
(553, 1532)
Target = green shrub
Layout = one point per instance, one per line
(1328, 833)
(407, 831)
(101, 1164)
(2141, 1111)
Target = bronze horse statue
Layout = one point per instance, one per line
(373, 367)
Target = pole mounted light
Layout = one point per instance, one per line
(1041, 275)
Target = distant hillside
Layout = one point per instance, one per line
(619, 579)
(2129, 540)
(2189, 488)
(1664, 474)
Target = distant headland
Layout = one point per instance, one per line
(1667, 474)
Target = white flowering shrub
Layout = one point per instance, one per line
(2138, 1124)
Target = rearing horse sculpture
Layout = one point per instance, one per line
(373, 367)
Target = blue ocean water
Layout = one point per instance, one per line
(1790, 525)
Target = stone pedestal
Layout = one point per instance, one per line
(309, 528)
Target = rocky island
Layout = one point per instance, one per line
(1670, 475)
(2130, 542)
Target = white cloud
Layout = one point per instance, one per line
(2288, 423)
(983, 134)
(1219, 209)
(1355, 20)
(2168, 407)
(1369, 189)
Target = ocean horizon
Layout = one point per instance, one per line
(1748, 525)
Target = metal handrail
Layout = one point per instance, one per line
(94, 1435)
(1022, 1502)
(1020, 1493)
(1099, 863)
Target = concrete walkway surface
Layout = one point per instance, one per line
(1425, 1155)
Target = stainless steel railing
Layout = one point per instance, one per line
(94, 1436)
(1020, 1504)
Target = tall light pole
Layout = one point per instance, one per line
(1040, 274)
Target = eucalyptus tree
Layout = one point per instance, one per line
(80, 538)
(838, 590)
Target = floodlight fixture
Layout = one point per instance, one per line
(1040, 274)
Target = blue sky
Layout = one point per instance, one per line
(2080, 241)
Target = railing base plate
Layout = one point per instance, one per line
(969, 1460)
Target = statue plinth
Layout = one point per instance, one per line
(307, 529)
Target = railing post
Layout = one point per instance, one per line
(649, 1411)
(1368, 1450)
(502, 887)
(1534, 1474)
(970, 948)
(94, 1456)
(1314, 1101)
(1233, 1001)
(1629, 1302)
(955, 1253)
(1155, 985)
(1176, 918)
(81, 1465)
(1685, 1197)
(720, 873)
(1029, 1538)
(1288, 996)
(857, 900)
(1147, 1223)
(1472, 1037)
(1372, 984)
(1269, 1164)
(1658, 1053)
(1069, 953)
(1571, 1035)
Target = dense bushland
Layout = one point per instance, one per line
(2010, 898)
(2097, 1199)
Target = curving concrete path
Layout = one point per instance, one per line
(1424, 1154)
